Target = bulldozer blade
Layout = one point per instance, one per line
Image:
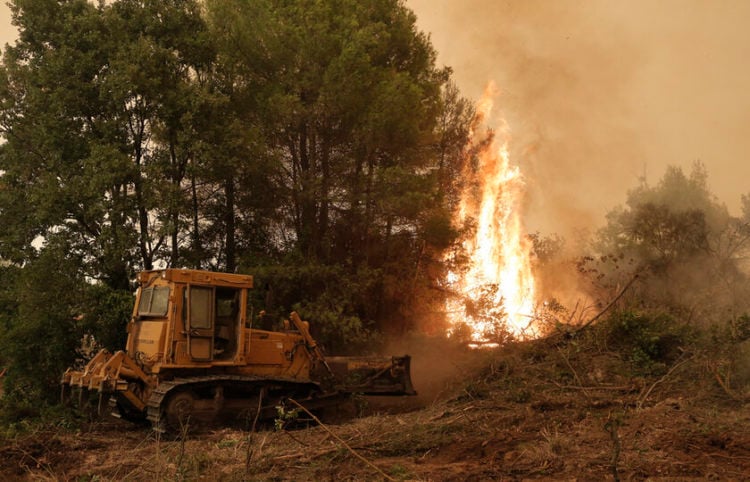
(373, 375)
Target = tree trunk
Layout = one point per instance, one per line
(174, 213)
(195, 234)
(229, 226)
(306, 232)
(143, 241)
(323, 248)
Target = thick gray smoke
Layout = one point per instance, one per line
(601, 93)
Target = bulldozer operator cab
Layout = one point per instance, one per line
(186, 316)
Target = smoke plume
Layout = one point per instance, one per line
(600, 94)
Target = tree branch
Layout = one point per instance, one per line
(348, 447)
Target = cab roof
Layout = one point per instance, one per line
(197, 277)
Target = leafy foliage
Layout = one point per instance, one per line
(41, 333)
(651, 342)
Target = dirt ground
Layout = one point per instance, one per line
(545, 412)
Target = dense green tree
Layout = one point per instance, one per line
(363, 131)
(93, 116)
(94, 99)
(41, 339)
(159, 49)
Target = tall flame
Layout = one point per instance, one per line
(497, 284)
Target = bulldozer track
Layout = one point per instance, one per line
(155, 404)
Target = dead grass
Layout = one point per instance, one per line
(533, 411)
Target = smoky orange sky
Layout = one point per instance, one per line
(599, 93)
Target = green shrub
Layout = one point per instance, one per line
(650, 342)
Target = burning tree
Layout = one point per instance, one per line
(495, 288)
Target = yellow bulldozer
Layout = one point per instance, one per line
(196, 351)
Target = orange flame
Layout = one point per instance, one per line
(497, 286)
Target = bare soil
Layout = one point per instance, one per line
(534, 411)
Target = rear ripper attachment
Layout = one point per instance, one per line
(195, 353)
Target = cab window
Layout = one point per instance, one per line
(154, 301)
(200, 307)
